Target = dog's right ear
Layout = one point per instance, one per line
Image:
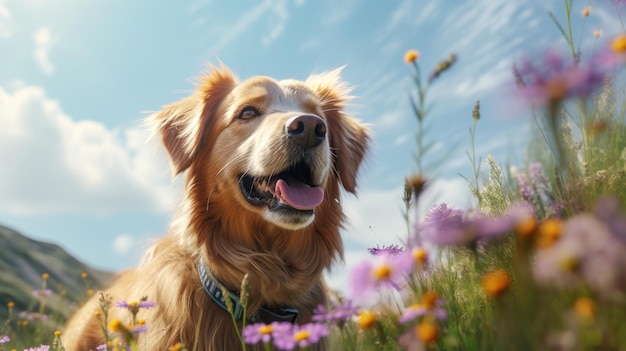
(188, 125)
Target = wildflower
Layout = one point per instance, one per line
(385, 250)
(415, 184)
(365, 319)
(549, 231)
(40, 348)
(411, 56)
(4, 339)
(444, 226)
(179, 346)
(597, 33)
(476, 110)
(134, 305)
(495, 283)
(301, 336)
(84, 275)
(10, 304)
(587, 252)
(430, 305)
(585, 12)
(426, 332)
(442, 67)
(419, 255)
(341, 313)
(42, 293)
(585, 308)
(254, 333)
(549, 82)
(387, 271)
(45, 276)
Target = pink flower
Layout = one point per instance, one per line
(386, 271)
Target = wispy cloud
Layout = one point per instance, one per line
(339, 11)
(6, 20)
(54, 164)
(274, 12)
(43, 43)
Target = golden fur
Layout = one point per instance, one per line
(283, 255)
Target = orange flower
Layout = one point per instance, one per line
(496, 282)
(411, 56)
(585, 307)
(619, 43)
(419, 255)
(365, 319)
(526, 227)
(586, 11)
(597, 33)
(549, 232)
(427, 332)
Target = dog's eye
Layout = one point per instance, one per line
(248, 113)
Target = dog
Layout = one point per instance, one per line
(264, 162)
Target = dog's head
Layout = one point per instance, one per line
(272, 147)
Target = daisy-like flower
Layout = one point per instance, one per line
(4, 339)
(385, 250)
(254, 333)
(340, 313)
(552, 79)
(300, 336)
(134, 305)
(368, 277)
(430, 304)
(40, 348)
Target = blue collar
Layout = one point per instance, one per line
(265, 315)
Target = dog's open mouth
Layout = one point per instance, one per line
(291, 188)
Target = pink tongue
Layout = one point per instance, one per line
(299, 195)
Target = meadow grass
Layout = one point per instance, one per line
(538, 264)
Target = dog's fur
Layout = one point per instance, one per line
(284, 253)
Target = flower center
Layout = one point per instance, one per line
(266, 329)
(382, 272)
(302, 335)
(619, 44)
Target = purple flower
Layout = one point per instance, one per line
(134, 305)
(552, 79)
(386, 271)
(340, 313)
(102, 347)
(300, 336)
(4, 339)
(385, 250)
(42, 293)
(254, 333)
(40, 348)
(444, 225)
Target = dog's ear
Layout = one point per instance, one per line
(186, 126)
(348, 137)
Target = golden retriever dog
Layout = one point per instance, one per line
(264, 163)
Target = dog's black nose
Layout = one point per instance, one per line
(307, 131)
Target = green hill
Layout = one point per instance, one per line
(22, 263)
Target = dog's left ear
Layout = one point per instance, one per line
(348, 137)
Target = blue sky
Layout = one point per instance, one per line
(77, 77)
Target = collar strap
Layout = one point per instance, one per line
(265, 315)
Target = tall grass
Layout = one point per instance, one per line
(538, 264)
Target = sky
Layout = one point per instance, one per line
(77, 78)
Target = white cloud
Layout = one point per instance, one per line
(54, 164)
(123, 243)
(43, 43)
(6, 20)
(339, 11)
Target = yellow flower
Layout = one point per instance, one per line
(57, 333)
(619, 43)
(178, 347)
(597, 33)
(116, 325)
(426, 331)
(419, 255)
(411, 56)
(89, 292)
(45, 276)
(549, 232)
(585, 307)
(429, 299)
(11, 304)
(365, 319)
(526, 227)
(586, 11)
(495, 283)
(84, 275)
